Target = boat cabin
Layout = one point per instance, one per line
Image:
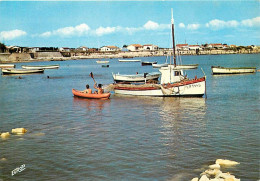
(171, 75)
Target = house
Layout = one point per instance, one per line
(182, 47)
(195, 47)
(215, 45)
(150, 47)
(109, 48)
(135, 47)
(82, 48)
(64, 49)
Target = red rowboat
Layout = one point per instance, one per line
(90, 96)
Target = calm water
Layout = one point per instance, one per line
(125, 137)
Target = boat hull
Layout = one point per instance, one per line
(224, 70)
(136, 77)
(78, 93)
(7, 66)
(21, 71)
(160, 65)
(191, 66)
(40, 66)
(100, 61)
(190, 88)
(148, 63)
(120, 60)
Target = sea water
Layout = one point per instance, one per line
(127, 137)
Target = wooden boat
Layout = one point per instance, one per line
(21, 71)
(105, 65)
(90, 96)
(172, 83)
(136, 77)
(40, 66)
(7, 66)
(102, 61)
(148, 63)
(233, 70)
(128, 60)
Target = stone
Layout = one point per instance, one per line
(226, 162)
(215, 166)
(5, 135)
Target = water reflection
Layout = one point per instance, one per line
(91, 104)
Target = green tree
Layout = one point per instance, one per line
(2, 47)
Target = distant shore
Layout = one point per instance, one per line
(57, 56)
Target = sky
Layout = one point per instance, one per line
(102, 23)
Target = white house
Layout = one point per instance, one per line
(150, 47)
(215, 45)
(194, 47)
(64, 49)
(109, 48)
(82, 48)
(182, 47)
(135, 47)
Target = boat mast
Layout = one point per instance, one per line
(173, 41)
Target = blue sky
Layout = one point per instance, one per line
(100, 23)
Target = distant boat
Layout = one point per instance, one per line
(21, 71)
(136, 77)
(148, 63)
(7, 66)
(232, 70)
(160, 65)
(90, 96)
(187, 66)
(40, 66)
(128, 60)
(102, 61)
(105, 65)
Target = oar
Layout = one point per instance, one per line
(92, 76)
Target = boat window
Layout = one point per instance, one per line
(177, 73)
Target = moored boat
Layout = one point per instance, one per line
(160, 65)
(40, 66)
(136, 77)
(102, 61)
(187, 66)
(232, 70)
(105, 65)
(21, 71)
(172, 83)
(148, 63)
(7, 65)
(128, 60)
(90, 96)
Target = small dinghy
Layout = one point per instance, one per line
(90, 96)
(40, 66)
(21, 71)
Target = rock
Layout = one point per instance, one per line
(19, 131)
(204, 178)
(226, 175)
(214, 172)
(195, 179)
(226, 162)
(3, 159)
(5, 135)
(215, 166)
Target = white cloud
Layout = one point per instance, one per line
(182, 25)
(79, 30)
(193, 26)
(254, 22)
(150, 25)
(107, 30)
(217, 24)
(10, 35)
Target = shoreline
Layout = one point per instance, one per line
(50, 56)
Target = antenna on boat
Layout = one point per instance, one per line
(173, 41)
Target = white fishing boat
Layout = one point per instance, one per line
(128, 60)
(102, 61)
(144, 77)
(172, 83)
(21, 71)
(232, 70)
(7, 65)
(40, 66)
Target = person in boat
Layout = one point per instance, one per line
(99, 89)
(87, 90)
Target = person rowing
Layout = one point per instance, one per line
(99, 89)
